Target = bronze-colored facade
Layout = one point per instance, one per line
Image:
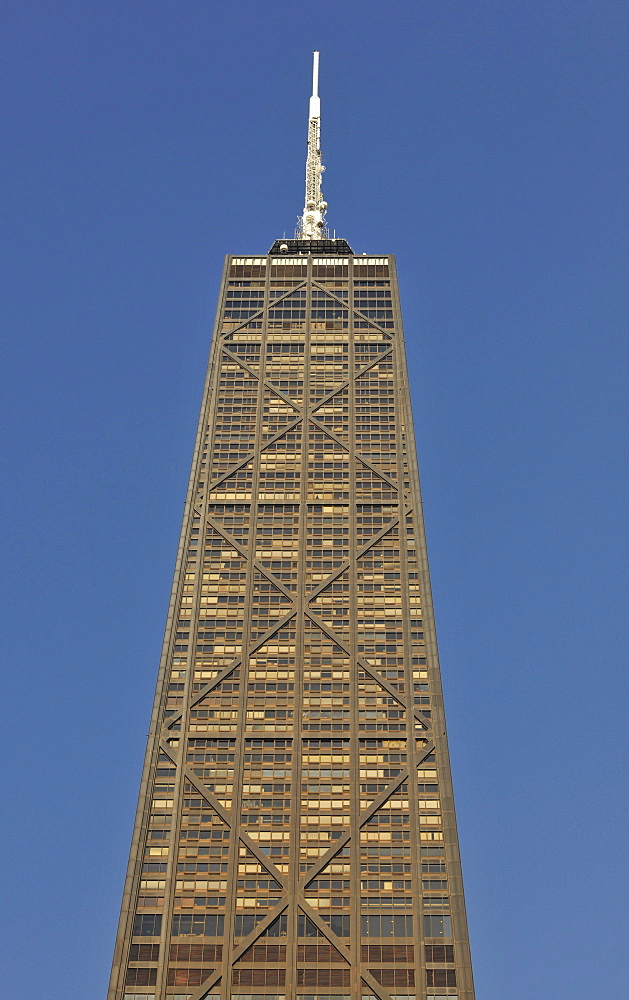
(295, 834)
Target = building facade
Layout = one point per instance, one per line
(295, 834)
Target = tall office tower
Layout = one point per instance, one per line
(295, 834)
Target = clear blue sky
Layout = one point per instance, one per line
(485, 143)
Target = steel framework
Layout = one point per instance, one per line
(308, 360)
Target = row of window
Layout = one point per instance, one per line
(380, 925)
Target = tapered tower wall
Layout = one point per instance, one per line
(295, 833)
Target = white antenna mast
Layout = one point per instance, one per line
(312, 224)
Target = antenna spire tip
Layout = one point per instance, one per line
(312, 224)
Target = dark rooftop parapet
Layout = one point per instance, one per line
(317, 248)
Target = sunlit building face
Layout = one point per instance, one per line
(295, 834)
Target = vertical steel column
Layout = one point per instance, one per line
(301, 601)
(234, 842)
(355, 860)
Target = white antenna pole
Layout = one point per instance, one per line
(312, 224)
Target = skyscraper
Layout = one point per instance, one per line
(295, 833)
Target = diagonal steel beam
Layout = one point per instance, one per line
(388, 352)
(239, 361)
(274, 580)
(369, 544)
(321, 863)
(397, 695)
(330, 579)
(173, 752)
(280, 434)
(374, 361)
(345, 445)
(348, 447)
(399, 779)
(347, 564)
(360, 552)
(224, 533)
(393, 691)
(249, 458)
(242, 550)
(298, 407)
(260, 928)
(228, 819)
(340, 946)
(260, 641)
(259, 314)
(373, 323)
(211, 799)
(374, 468)
(270, 632)
(204, 690)
(325, 399)
(234, 468)
(330, 293)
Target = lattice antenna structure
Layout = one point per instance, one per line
(312, 224)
